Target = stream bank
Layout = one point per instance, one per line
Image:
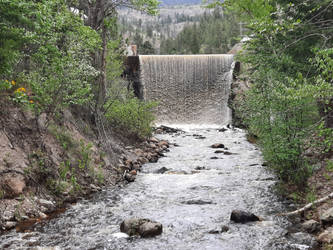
(44, 168)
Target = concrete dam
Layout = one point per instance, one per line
(190, 89)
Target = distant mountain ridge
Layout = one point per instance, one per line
(179, 2)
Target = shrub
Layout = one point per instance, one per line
(131, 114)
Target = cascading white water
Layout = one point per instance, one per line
(191, 89)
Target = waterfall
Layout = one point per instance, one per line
(190, 89)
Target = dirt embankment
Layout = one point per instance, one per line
(45, 165)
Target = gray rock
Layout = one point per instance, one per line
(150, 229)
(10, 224)
(326, 236)
(240, 216)
(327, 217)
(141, 227)
(95, 188)
(224, 229)
(310, 226)
(198, 202)
(217, 145)
(304, 239)
(129, 177)
(8, 215)
(46, 203)
(214, 231)
(162, 170)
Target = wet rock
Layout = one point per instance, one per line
(8, 215)
(163, 144)
(10, 224)
(169, 130)
(240, 216)
(327, 216)
(222, 130)
(310, 226)
(153, 140)
(304, 239)
(161, 170)
(214, 231)
(326, 236)
(200, 168)
(198, 202)
(217, 145)
(227, 153)
(141, 227)
(219, 152)
(129, 177)
(150, 229)
(214, 158)
(224, 229)
(154, 158)
(13, 185)
(133, 172)
(49, 205)
(42, 215)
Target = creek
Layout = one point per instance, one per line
(199, 186)
(195, 195)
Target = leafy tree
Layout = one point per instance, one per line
(289, 57)
(147, 48)
(101, 15)
(14, 22)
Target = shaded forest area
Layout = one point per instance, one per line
(214, 33)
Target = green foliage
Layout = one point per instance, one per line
(85, 155)
(62, 65)
(311, 195)
(215, 33)
(291, 79)
(131, 114)
(51, 48)
(15, 21)
(62, 136)
(329, 165)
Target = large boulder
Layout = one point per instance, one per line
(142, 227)
(240, 216)
(327, 217)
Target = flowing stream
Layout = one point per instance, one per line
(196, 174)
(199, 188)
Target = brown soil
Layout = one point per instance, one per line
(45, 168)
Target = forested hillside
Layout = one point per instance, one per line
(214, 33)
(179, 2)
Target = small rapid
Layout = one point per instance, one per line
(193, 197)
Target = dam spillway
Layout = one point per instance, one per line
(190, 89)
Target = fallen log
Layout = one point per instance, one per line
(308, 206)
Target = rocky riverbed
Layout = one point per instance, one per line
(191, 192)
